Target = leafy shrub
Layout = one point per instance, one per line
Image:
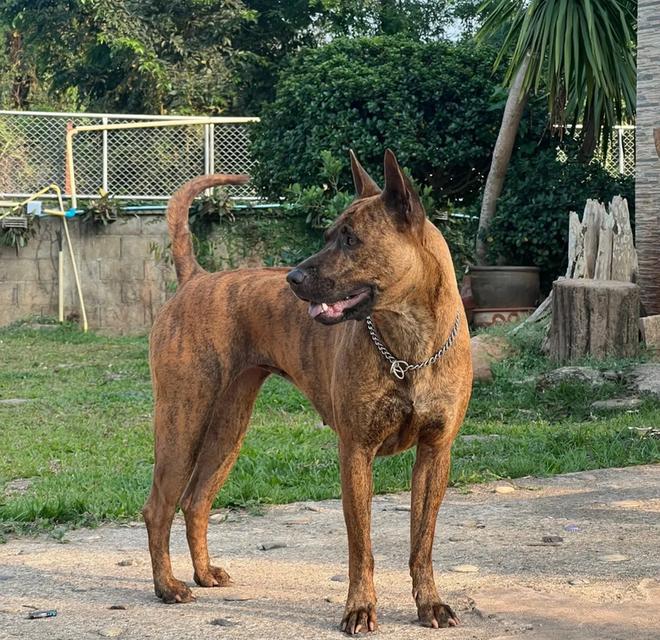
(531, 223)
(320, 205)
(226, 237)
(103, 211)
(435, 104)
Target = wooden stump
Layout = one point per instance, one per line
(597, 318)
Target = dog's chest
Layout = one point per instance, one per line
(403, 417)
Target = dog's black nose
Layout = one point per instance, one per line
(295, 276)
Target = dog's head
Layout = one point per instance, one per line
(371, 254)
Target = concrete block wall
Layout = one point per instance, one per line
(123, 285)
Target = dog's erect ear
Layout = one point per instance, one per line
(364, 185)
(399, 196)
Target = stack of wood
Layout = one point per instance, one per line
(595, 307)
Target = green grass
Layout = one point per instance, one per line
(84, 438)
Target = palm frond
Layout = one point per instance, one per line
(582, 54)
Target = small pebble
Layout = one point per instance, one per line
(614, 557)
(217, 518)
(340, 577)
(465, 568)
(552, 539)
(13, 401)
(334, 599)
(455, 539)
(578, 581)
(111, 632)
(129, 562)
(571, 528)
(117, 607)
(222, 622)
(504, 488)
(236, 598)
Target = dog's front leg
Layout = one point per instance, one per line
(429, 481)
(356, 465)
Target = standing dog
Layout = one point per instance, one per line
(385, 267)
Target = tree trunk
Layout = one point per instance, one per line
(506, 138)
(597, 318)
(21, 82)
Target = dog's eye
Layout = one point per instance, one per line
(348, 238)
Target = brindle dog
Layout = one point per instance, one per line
(217, 340)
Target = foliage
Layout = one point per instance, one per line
(133, 56)
(92, 393)
(434, 103)
(320, 205)
(582, 57)
(187, 56)
(226, 236)
(280, 29)
(103, 211)
(18, 237)
(531, 223)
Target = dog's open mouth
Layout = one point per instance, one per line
(335, 310)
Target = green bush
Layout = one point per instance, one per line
(531, 223)
(435, 104)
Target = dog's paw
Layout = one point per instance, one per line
(213, 577)
(174, 592)
(436, 614)
(359, 617)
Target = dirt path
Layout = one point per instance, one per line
(602, 582)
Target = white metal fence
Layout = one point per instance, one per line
(135, 164)
(621, 152)
(151, 163)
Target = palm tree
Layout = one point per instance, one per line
(581, 52)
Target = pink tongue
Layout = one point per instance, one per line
(332, 310)
(314, 310)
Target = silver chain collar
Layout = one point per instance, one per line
(399, 368)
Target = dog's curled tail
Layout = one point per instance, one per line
(177, 220)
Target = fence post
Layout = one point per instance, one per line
(105, 155)
(622, 160)
(208, 151)
(67, 174)
(211, 148)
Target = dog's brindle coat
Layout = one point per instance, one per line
(217, 340)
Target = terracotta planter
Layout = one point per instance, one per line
(505, 287)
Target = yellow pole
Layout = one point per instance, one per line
(73, 262)
(60, 279)
(62, 214)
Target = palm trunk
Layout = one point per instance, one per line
(513, 111)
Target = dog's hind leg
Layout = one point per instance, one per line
(181, 416)
(217, 456)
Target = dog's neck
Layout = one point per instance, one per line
(417, 326)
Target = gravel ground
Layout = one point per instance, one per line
(596, 576)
